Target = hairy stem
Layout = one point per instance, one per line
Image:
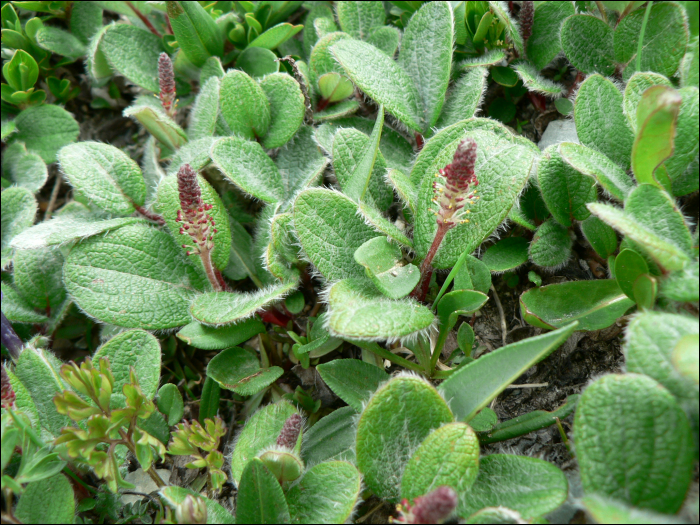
(143, 19)
(205, 255)
(426, 269)
(150, 215)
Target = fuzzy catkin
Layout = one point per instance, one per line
(290, 432)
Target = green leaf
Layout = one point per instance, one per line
(594, 304)
(500, 182)
(382, 79)
(504, 76)
(639, 449)
(215, 512)
(260, 433)
(300, 163)
(209, 400)
(600, 122)
(473, 275)
(601, 237)
(133, 53)
(634, 90)
(383, 264)
(551, 245)
(683, 286)
(151, 288)
(168, 204)
(529, 422)
(426, 55)
(608, 510)
(545, 43)
(60, 230)
(247, 166)
(38, 277)
(357, 184)
(238, 370)
(650, 342)
(629, 265)
(565, 190)
(330, 231)
(85, 20)
(465, 338)
(321, 60)
(577, 34)
(404, 188)
(332, 438)
(491, 58)
(276, 35)
(506, 254)
(512, 30)
(590, 162)
(17, 309)
(38, 371)
(448, 456)
(352, 380)
(309, 35)
(104, 175)
(244, 105)
(336, 111)
(222, 308)
(506, 480)
(286, 108)
(359, 167)
(385, 38)
(535, 82)
(656, 127)
(195, 30)
(59, 41)
(22, 71)
(685, 358)
(46, 129)
(98, 69)
(25, 169)
(211, 338)
(464, 97)
(398, 417)
(683, 165)
(137, 349)
(260, 498)
(653, 221)
(664, 43)
(357, 311)
(473, 386)
(18, 210)
(359, 18)
(25, 404)
(310, 501)
(451, 306)
(258, 62)
(150, 114)
(689, 64)
(47, 501)
(170, 403)
(195, 153)
(205, 110)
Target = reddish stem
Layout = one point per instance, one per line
(273, 316)
(577, 81)
(222, 282)
(426, 269)
(205, 255)
(150, 215)
(420, 141)
(538, 101)
(143, 19)
(322, 104)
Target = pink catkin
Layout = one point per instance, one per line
(434, 507)
(8, 393)
(527, 14)
(452, 196)
(290, 432)
(196, 222)
(166, 81)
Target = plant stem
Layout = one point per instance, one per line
(54, 196)
(205, 255)
(640, 45)
(426, 270)
(150, 215)
(143, 19)
(601, 8)
(504, 327)
(126, 440)
(381, 352)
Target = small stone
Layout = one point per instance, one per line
(559, 131)
(144, 483)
